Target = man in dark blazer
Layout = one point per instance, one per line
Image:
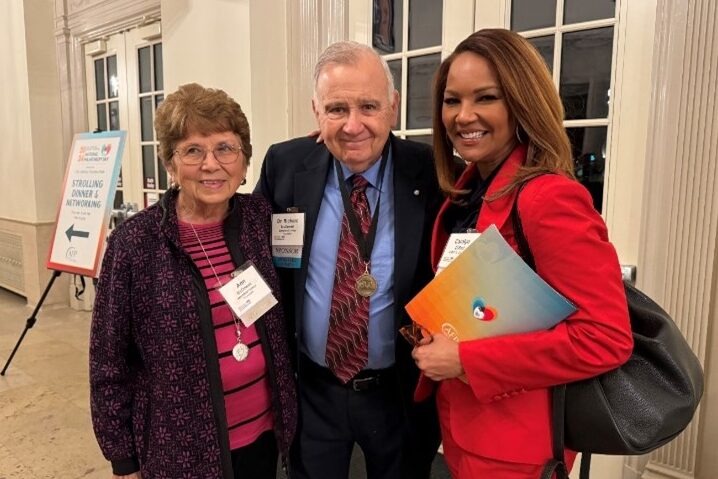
(355, 105)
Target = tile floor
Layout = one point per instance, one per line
(45, 428)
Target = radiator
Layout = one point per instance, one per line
(12, 275)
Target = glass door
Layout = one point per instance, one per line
(106, 84)
(125, 84)
(146, 92)
(576, 39)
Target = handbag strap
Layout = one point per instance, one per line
(519, 236)
(558, 393)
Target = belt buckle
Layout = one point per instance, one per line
(364, 384)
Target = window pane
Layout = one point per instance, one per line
(418, 98)
(146, 118)
(113, 83)
(589, 153)
(101, 117)
(100, 79)
(544, 45)
(159, 79)
(148, 166)
(422, 139)
(386, 25)
(425, 23)
(119, 179)
(531, 14)
(158, 100)
(161, 175)
(395, 67)
(143, 55)
(575, 11)
(114, 115)
(118, 200)
(586, 73)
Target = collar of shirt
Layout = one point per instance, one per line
(371, 175)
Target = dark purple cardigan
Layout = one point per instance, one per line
(155, 386)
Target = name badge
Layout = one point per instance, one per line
(287, 239)
(457, 243)
(248, 294)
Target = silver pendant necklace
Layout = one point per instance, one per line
(240, 351)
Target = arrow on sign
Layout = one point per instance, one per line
(73, 232)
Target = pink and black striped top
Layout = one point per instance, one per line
(246, 388)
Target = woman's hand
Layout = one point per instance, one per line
(438, 358)
(134, 475)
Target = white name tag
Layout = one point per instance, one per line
(287, 239)
(248, 295)
(457, 243)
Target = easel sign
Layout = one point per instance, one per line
(87, 195)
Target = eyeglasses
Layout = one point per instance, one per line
(194, 155)
(414, 333)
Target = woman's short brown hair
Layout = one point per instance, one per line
(531, 98)
(196, 109)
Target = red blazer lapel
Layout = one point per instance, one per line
(496, 211)
(492, 212)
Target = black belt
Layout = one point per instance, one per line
(365, 380)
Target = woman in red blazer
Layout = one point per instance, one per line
(496, 105)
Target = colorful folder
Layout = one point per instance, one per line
(487, 291)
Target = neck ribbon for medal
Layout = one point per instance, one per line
(366, 284)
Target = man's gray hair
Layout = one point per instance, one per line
(349, 53)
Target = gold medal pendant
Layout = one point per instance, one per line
(366, 283)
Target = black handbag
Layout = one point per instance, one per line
(635, 408)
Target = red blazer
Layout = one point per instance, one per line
(504, 411)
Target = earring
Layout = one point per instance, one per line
(518, 134)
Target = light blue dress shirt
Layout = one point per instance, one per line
(322, 264)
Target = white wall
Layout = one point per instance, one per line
(214, 42)
(30, 123)
(270, 103)
(16, 164)
(31, 130)
(45, 112)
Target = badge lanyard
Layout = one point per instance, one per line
(366, 284)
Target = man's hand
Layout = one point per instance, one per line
(438, 358)
(318, 134)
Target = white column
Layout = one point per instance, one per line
(312, 26)
(31, 166)
(679, 224)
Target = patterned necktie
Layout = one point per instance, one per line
(347, 341)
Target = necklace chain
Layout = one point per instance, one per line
(219, 283)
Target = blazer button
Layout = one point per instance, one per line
(417, 192)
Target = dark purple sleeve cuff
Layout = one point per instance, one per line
(124, 467)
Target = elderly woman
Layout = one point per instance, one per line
(180, 387)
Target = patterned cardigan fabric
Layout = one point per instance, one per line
(156, 391)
